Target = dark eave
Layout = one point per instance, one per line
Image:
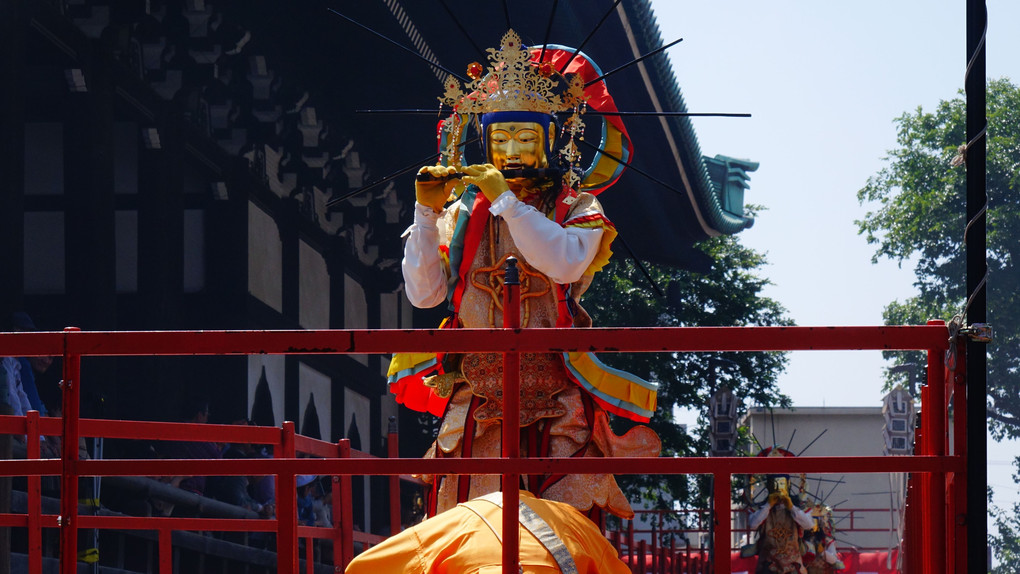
(672, 199)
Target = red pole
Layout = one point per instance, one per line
(672, 555)
(34, 496)
(166, 551)
(338, 531)
(655, 551)
(69, 453)
(958, 379)
(393, 451)
(721, 541)
(346, 510)
(923, 500)
(511, 420)
(630, 545)
(309, 555)
(286, 506)
(937, 412)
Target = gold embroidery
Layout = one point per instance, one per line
(490, 280)
(443, 384)
(542, 377)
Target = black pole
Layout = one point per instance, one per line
(974, 239)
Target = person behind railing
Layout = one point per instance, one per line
(13, 400)
(312, 506)
(16, 374)
(196, 411)
(305, 498)
(21, 322)
(554, 537)
(237, 490)
(18, 393)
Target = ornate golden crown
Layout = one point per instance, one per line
(513, 83)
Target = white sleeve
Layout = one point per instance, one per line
(561, 253)
(759, 516)
(424, 279)
(830, 552)
(803, 518)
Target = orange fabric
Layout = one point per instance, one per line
(459, 542)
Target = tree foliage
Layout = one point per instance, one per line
(919, 210)
(1005, 539)
(919, 202)
(728, 295)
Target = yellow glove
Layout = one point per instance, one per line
(777, 497)
(489, 179)
(434, 193)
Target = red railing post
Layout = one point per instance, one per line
(938, 414)
(511, 420)
(338, 531)
(654, 550)
(672, 555)
(958, 520)
(309, 555)
(34, 496)
(630, 544)
(286, 505)
(166, 550)
(393, 451)
(925, 438)
(346, 511)
(71, 393)
(721, 518)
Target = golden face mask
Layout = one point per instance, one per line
(779, 485)
(517, 145)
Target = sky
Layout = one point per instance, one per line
(824, 82)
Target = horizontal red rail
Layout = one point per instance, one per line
(400, 466)
(601, 339)
(174, 523)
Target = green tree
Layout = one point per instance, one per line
(728, 295)
(1006, 540)
(919, 210)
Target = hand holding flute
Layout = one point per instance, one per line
(433, 184)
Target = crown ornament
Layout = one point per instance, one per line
(513, 83)
(554, 83)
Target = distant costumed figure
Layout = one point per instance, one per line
(541, 209)
(822, 557)
(780, 524)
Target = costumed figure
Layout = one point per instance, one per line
(822, 557)
(541, 209)
(780, 523)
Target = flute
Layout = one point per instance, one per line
(532, 173)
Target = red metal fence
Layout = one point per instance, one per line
(934, 541)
